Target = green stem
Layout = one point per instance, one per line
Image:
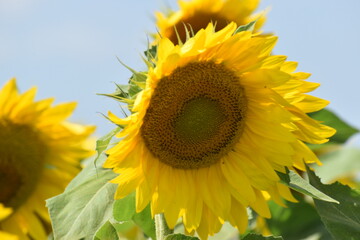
(162, 229)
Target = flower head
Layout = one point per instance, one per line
(197, 14)
(40, 153)
(219, 115)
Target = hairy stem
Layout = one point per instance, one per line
(162, 229)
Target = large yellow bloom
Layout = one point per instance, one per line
(40, 153)
(196, 14)
(217, 118)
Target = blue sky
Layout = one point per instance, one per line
(69, 48)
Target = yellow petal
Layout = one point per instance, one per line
(260, 205)
(238, 216)
(58, 113)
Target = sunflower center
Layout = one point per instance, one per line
(195, 115)
(193, 123)
(22, 156)
(196, 22)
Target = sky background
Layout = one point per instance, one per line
(69, 48)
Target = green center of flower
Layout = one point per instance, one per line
(196, 22)
(195, 115)
(193, 123)
(22, 156)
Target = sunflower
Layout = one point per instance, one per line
(196, 14)
(218, 117)
(40, 153)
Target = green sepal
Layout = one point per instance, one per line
(253, 236)
(151, 53)
(135, 87)
(137, 77)
(114, 96)
(121, 92)
(179, 236)
(247, 27)
(127, 93)
(188, 32)
(297, 183)
(136, 73)
(180, 43)
(341, 220)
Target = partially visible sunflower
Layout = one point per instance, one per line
(217, 118)
(40, 153)
(197, 14)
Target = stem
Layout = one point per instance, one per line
(162, 229)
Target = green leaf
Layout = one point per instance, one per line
(124, 209)
(145, 222)
(84, 206)
(297, 183)
(253, 236)
(342, 220)
(103, 142)
(248, 27)
(343, 130)
(106, 232)
(123, 227)
(87, 172)
(298, 221)
(345, 160)
(180, 236)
